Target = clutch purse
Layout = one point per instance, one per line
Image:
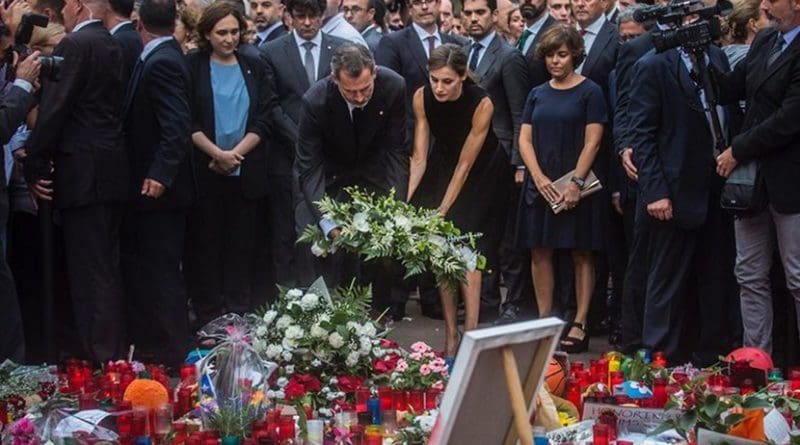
(592, 185)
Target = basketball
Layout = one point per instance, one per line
(556, 377)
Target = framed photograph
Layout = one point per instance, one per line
(479, 406)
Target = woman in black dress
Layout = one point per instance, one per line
(465, 170)
(562, 126)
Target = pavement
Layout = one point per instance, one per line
(416, 327)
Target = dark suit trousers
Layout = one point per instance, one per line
(91, 237)
(220, 251)
(677, 257)
(152, 250)
(633, 294)
(282, 235)
(12, 341)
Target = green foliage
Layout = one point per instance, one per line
(377, 227)
(232, 418)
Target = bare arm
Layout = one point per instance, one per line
(591, 145)
(247, 144)
(528, 153)
(419, 158)
(481, 122)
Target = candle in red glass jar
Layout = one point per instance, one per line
(362, 395)
(601, 371)
(399, 400)
(616, 378)
(3, 414)
(86, 401)
(600, 434)
(286, 428)
(574, 394)
(659, 392)
(659, 361)
(574, 367)
(416, 400)
(140, 422)
(385, 395)
(432, 398)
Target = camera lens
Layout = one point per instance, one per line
(51, 66)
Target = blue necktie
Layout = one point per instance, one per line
(473, 60)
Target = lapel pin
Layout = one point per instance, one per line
(380, 113)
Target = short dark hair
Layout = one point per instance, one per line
(122, 8)
(311, 7)
(452, 56)
(491, 4)
(54, 5)
(352, 58)
(558, 35)
(158, 16)
(380, 13)
(213, 14)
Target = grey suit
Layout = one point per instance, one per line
(373, 37)
(287, 75)
(537, 71)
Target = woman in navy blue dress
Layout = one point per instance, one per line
(561, 131)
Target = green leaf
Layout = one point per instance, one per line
(687, 421)
(733, 419)
(711, 406)
(755, 402)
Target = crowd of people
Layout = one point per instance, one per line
(159, 168)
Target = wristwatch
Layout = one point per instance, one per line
(580, 182)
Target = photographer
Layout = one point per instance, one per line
(769, 80)
(678, 213)
(17, 100)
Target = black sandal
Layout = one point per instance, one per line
(575, 345)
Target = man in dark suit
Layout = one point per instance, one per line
(361, 14)
(79, 131)
(268, 17)
(537, 21)
(678, 209)
(118, 22)
(769, 79)
(502, 71)
(294, 62)
(14, 106)
(158, 134)
(351, 133)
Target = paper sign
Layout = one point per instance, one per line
(775, 427)
(633, 419)
(708, 437)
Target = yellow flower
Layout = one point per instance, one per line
(258, 396)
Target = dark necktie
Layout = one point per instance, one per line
(523, 38)
(473, 60)
(308, 62)
(431, 44)
(583, 32)
(775, 51)
(358, 118)
(258, 41)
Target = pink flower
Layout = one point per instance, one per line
(401, 366)
(425, 370)
(439, 362)
(420, 346)
(415, 356)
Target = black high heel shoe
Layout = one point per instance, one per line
(575, 345)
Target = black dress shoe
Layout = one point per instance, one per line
(511, 314)
(433, 311)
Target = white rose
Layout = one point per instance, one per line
(352, 359)
(318, 331)
(323, 355)
(261, 331)
(368, 330)
(270, 394)
(366, 346)
(284, 322)
(334, 380)
(289, 344)
(294, 332)
(274, 351)
(402, 222)
(330, 396)
(309, 301)
(325, 412)
(282, 381)
(470, 258)
(316, 363)
(325, 390)
(317, 250)
(336, 340)
(269, 317)
(425, 423)
(286, 356)
(325, 317)
(294, 293)
(352, 325)
(279, 394)
(360, 222)
(289, 369)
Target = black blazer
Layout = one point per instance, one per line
(503, 73)
(131, 45)
(602, 58)
(629, 53)
(331, 156)
(254, 166)
(158, 129)
(673, 145)
(287, 75)
(403, 53)
(14, 106)
(770, 130)
(79, 126)
(537, 70)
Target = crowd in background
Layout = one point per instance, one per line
(166, 171)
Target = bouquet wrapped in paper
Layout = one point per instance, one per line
(233, 374)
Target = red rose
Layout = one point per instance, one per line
(293, 390)
(309, 382)
(350, 383)
(388, 344)
(386, 364)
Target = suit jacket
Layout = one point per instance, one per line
(537, 70)
(131, 44)
(14, 106)
(373, 37)
(287, 75)
(674, 147)
(602, 58)
(770, 133)
(79, 126)
(274, 34)
(403, 53)
(259, 88)
(157, 121)
(629, 53)
(333, 154)
(503, 73)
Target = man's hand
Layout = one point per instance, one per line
(627, 163)
(152, 188)
(42, 189)
(519, 176)
(726, 163)
(29, 68)
(334, 233)
(616, 202)
(661, 209)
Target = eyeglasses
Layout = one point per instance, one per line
(354, 9)
(419, 3)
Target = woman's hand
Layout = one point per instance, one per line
(571, 196)
(226, 161)
(546, 188)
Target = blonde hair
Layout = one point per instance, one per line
(43, 36)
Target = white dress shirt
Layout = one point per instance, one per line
(534, 29)
(315, 51)
(590, 36)
(423, 36)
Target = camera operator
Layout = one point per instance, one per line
(769, 80)
(76, 158)
(678, 213)
(14, 106)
